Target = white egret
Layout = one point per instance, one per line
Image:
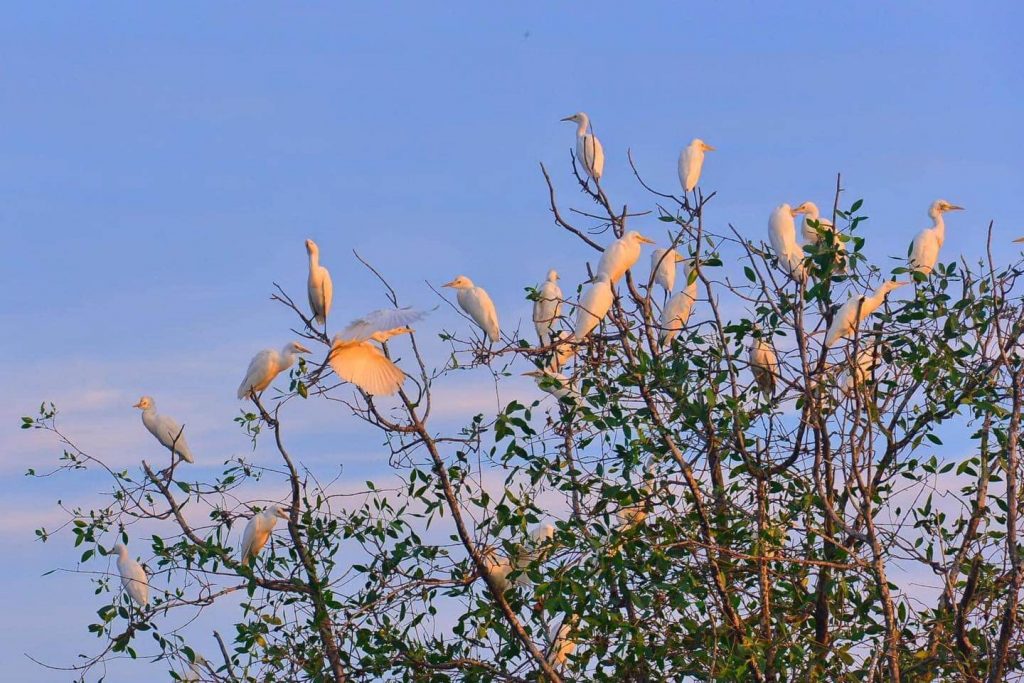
(547, 307)
(195, 671)
(319, 286)
(593, 306)
(554, 383)
(621, 255)
(562, 643)
(860, 368)
(782, 235)
(539, 535)
(677, 311)
(257, 531)
(813, 236)
(764, 364)
(847, 317)
(166, 430)
(476, 302)
(691, 161)
(356, 359)
(498, 568)
(663, 265)
(925, 250)
(589, 151)
(133, 576)
(266, 365)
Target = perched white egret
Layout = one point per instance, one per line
(847, 318)
(257, 531)
(554, 383)
(588, 148)
(782, 235)
(925, 250)
(621, 255)
(677, 311)
(812, 236)
(195, 671)
(860, 368)
(539, 535)
(593, 306)
(476, 302)
(498, 567)
(547, 307)
(356, 359)
(166, 430)
(562, 643)
(266, 365)
(319, 286)
(663, 265)
(764, 364)
(691, 161)
(133, 576)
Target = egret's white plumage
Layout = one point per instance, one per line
(554, 383)
(588, 148)
(547, 307)
(165, 428)
(356, 359)
(764, 364)
(677, 311)
(133, 576)
(782, 235)
(257, 531)
(924, 252)
(847, 317)
(498, 567)
(663, 265)
(691, 161)
(319, 286)
(266, 365)
(478, 305)
(594, 306)
(562, 643)
(812, 236)
(621, 255)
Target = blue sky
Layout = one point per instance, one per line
(160, 168)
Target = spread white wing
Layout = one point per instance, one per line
(380, 320)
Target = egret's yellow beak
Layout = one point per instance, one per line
(645, 240)
(452, 283)
(302, 349)
(532, 373)
(567, 118)
(1019, 240)
(954, 207)
(137, 405)
(708, 148)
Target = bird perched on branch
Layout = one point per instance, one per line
(593, 306)
(663, 265)
(554, 383)
(691, 161)
(547, 307)
(319, 286)
(782, 235)
(166, 430)
(924, 251)
(812, 235)
(677, 311)
(588, 148)
(764, 363)
(356, 359)
(477, 304)
(621, 255)
(133, 576)
(266, 365)
(856, 308)
(257, 531)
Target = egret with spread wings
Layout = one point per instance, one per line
(356, 359)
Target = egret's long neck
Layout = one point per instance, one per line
(939, 227)
(581, 127)
(314, 260)
(813, 214)
(287, 357)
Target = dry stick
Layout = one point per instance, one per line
(227, 657)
